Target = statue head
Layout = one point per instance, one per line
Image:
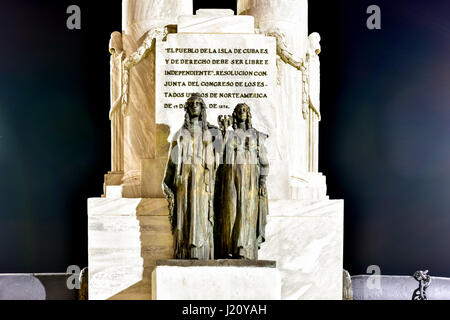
(195, 108)
(241, 114)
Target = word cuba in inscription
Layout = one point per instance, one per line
(217, 50)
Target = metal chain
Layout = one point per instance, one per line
(424, 282)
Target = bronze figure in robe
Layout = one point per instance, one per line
(241, 194)
(189, 184)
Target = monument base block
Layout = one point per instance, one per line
(216, 280)
(125, 239)
(306, 239)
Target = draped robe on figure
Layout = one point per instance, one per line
(241, 210)
(190, 176)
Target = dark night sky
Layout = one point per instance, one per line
(384, 138)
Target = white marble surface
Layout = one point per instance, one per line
(113, 192)
(289, 16)
(205, 23)
(127, 207)
(216, 283)
(214, 12)
(125, 238)
(139, 16)
(306, 240)
(313, 187)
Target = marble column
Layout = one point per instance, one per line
(290, 19)
(140, 16)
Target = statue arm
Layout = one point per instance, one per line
(169, 183)
(263, 157)
(263, 204)
(263, 163)
(219, 147)
(210, 143)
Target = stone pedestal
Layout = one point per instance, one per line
(125, 238)
(216, 280)
(306, 240)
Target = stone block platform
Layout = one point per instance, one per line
(125, 239)
(216, 280)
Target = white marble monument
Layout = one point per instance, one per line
(216, 280)
(262, 56)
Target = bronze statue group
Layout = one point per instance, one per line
(215, 183)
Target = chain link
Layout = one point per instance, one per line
(424, 282)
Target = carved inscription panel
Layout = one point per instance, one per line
(224, 69)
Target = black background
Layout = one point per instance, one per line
(384, 138)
